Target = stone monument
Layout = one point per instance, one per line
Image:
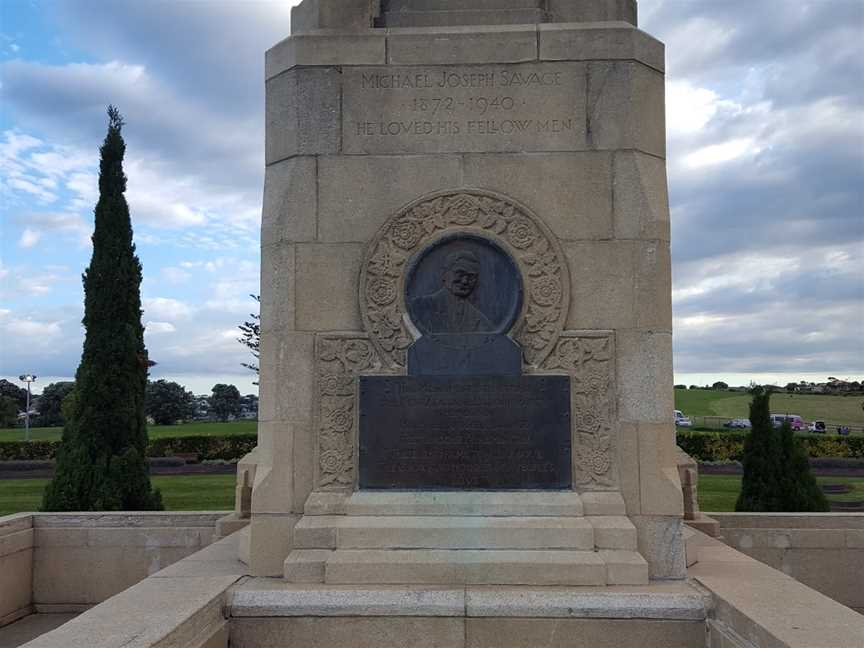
(466, 345)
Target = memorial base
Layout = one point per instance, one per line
(467, 538)
(266, 613)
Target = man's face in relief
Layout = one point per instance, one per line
(461, 279)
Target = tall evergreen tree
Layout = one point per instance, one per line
(101, 464)
(759, 484)
(777, 475)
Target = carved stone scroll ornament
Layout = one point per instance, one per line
(513, 227)
(339, 360)
(590, 361)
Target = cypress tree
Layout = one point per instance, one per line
(759, 484)
(101, 464)
(777, 475)
(799, 491)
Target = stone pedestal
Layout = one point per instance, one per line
(390, 127)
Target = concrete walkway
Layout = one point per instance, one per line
(26, 629)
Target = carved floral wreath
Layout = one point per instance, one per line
(540, 260)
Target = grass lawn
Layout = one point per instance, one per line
(838, 409)
(200, 428)
(179, 492)
(719, 492)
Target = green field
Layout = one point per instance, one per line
(837, 409)
(179, 492)
(718, 493)
(205, 428)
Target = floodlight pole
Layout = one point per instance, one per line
(28, 379)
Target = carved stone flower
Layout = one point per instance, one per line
(522, 234)
(406, 234)
(335, 385)
(587, 420)
(381, 291)
(463, 211)
(340, 419)
(358, 354)
(599, 461)
(596, 381)
(332, 461)
(546, 291)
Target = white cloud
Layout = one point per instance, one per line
(155, 328)
(175, 275)
(721, 153)
(165, 309)
(29, 238)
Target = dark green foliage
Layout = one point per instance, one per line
(251, 338)
(8, 411)
(798, 489)
(16, 393)
(720, 385)
(50, 403)
(168, 402)
(228, 448)
(759, 486)
(777, 476)
(101, 461)
(225, 402)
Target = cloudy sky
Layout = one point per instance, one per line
(766, 163)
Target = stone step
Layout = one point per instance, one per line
(614, 532)
(488, 504)
(434, 532)
(469, 17)
(464, 567)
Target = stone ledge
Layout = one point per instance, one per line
(661, 601)
(467, 44)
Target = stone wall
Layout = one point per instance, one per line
(68, 562)
(822, 550)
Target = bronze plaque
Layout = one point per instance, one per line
(465, 433)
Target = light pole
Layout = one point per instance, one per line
(27, 378)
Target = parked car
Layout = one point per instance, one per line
(681, 420)
(795, 421)
(818, 426)
(738, 424)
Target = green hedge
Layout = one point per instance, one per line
(230, 448)
(729, 446)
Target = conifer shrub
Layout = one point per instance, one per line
(101, 462)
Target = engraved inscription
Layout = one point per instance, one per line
(536, 106)
(465, 433)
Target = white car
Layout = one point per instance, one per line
(681, 420)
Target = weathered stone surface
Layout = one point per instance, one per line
(628, 466)
(660, 485)
(613, 532)
(645, 390)
(626, 107)
(303, 113)
(306, 565)
(351, 601)
(641, 197)
(290, 201)
(504, 16)
(603, 285)
(583, 633)
(277, 288)
(477, 503)
(361, 632)
(16, 592)
(333, 49)
(600, 503)
(600, 41)
(662, 545)
(571, 192)
(461, 45)
(490, 108)
(569, 11)
(432, 532)
(350, 212)
(269, 542)
(624, 567)
(333, 14)
(496, 567)
(653, 286)
(668, 601)
(326, 289)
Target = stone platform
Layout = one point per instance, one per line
(476, 538)
(268, 612)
